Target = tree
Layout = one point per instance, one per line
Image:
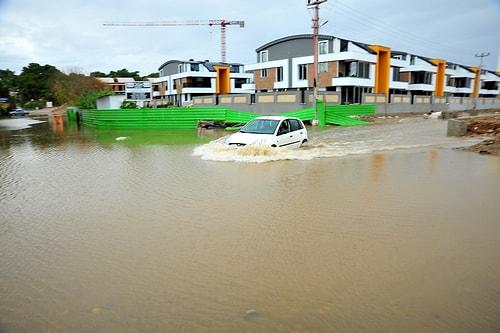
(69, 88)
(98, 74)
(125, 73)
(34, 82)
(7, 82)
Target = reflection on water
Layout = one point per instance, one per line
(153, 233)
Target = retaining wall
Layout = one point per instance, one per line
(273, 103)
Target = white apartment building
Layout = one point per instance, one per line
(180, 81)
(353, 68)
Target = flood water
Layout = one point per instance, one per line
(377, 228)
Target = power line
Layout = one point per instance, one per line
(343, 18)
(378, 28)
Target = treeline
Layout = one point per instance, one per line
(37, 84)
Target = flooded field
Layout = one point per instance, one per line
(377, 228)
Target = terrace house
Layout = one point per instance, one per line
(352, 69)
(180, 81)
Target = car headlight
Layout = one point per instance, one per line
(259, 142)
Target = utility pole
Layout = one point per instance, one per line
(477, 85)
(315, 4)
(498, 62)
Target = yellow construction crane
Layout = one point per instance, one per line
(222, 23)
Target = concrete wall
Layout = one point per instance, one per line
(271, 103)
(267, 103)
(423, 104)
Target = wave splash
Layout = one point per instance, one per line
(337, 142)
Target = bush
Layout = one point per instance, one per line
(3, 110)
(89, 100)
(128, 105)
(33, 105)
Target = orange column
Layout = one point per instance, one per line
(382, 69)
(498, 73)
(475, 90)
(440, 76)
(223, 80)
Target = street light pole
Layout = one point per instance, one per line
(478, 80)
(315, 4)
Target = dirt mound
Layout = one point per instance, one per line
(485, 126)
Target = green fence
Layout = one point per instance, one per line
(341, 115)
(180, 118)
(189, 118)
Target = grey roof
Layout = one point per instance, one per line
(309, 36)
(208, 64)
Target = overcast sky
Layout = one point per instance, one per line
(70, 35)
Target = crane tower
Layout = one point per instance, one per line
(222, 23)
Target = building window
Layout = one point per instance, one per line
(344, 45)
(234, 69)
(264, 56)
(399, 56)
(279, 74)
(303, 72)
(352, 69)
(422, 77)
(180, 68)
(239, 82)
(489, 85)
(323, 47)
(195, 67)
(358, 69)
(396, 74)
(201, 82)
(323, 67)
(263, 72)
(462, 82)
(448, 80)
(364, 70)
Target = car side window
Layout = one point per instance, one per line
(284, 128)
(295, 125)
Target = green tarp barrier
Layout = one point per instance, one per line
(188, 118)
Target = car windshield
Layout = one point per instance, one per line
(260, 126)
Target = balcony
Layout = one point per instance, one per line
(352, 81)
(420, 87)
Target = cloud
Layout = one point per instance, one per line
(71, 34)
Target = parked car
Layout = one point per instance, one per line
(275, 131)
(19, 112)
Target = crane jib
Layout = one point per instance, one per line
(222, 24)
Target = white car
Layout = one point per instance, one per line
(19, 112)
(274, 131)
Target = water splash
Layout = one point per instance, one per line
(339, 141)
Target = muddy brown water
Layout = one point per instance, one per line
(380, 228)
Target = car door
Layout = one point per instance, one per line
(289, 134)
(283, 133)
(296, 132)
